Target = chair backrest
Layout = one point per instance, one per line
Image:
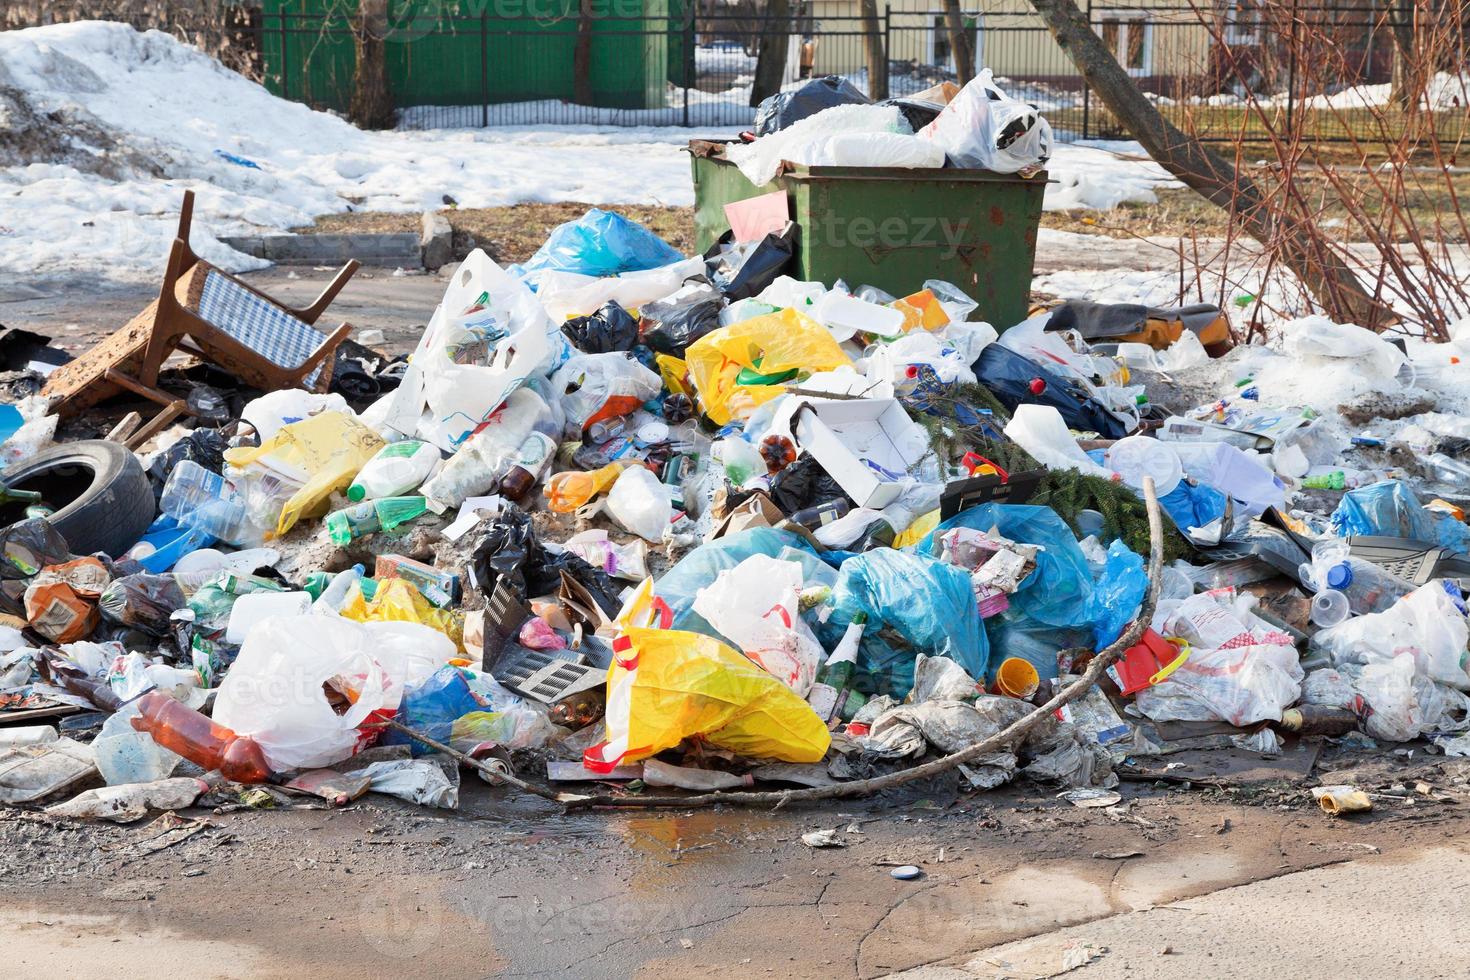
(256, 322)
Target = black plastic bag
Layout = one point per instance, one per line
(1018, 380)
(671, 324)
(804, 484)
(203, 446)
(28, 546)
(510, 551)
(916, 112)
(784, 108)
(742, 271)
(143, 602)
(611, 328)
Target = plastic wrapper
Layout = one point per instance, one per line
(1390, 508)
(322, 454)
(667, 685)
(669, 325)
(770, 345)
(611, 328)
(985, 129)
(274, 692)
(778, 111)
(521, 727)
(1117, 594)
(755, 606)
(928, 603)
(595, 387)
(600, 243)
(741, 270)
(144, 602)
(625, 561)
(61, 600)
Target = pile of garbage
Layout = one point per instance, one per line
(642, 520)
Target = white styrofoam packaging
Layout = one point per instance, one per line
(843, 435)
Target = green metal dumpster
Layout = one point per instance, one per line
(894, 228)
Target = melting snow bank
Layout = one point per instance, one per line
(102, 128)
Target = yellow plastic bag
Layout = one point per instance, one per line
(398, 601)
(674, 373)
(669, 685)
(783, 341)
(320, 454)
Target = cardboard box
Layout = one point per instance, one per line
(850, 437)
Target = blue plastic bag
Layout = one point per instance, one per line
(432, 708)
(1014, 634)
(1118, 594)
(1059, 591)
(930, 604)
(600, 243)
(1192, 505)
(1390, 508)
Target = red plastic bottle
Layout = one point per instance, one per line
(181, 729)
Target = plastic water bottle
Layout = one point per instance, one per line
(372, 516)
(487, 455)
(397, 468)
(1329, 607)
(1367, 587)
(335, 593)
(197, 498)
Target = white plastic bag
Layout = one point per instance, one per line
(273, 692)
(275, 410)
(1425, 625)
(1240, 685)
(984, 128)
(755, 605)
(1040, 431)
(594, 387)
(800, 142)
(568, 294)
(876, 150)
(486, 338)
(641, 503)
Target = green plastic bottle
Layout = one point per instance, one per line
(372, 516)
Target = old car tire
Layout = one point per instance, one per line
(102, 497)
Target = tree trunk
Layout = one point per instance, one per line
(1334, 284)
(960, 41)
(770, 60)
(1410, 74)
(371, 106)
(582, 56)
(875, 50)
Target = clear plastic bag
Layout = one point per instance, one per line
(595, 387)
(641, 503)
(755, 606)
(1425, 625)
(1240, 685)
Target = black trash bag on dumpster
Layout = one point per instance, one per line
(740, 271)
(611, 328)
(510, 551)
(203, 446)
(917, 112)
(784, 108)
(1017, 380)
(671, 324)
(804, 484)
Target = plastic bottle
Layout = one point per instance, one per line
(397, 468)
(1336, 480)
(532, 460)
(487, 455)
(1447, 469)
(740, 459)
(334, 591)
(570, 489)
(832, 695)
(1368, 588)
(371, 516)
(197, 498)
(181, 729)
(1329, 607)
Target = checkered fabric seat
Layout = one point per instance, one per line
(258, 324)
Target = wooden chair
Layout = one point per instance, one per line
(206, 312)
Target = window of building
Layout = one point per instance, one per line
(1129, 36)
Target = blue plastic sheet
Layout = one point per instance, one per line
(930, 604)
(1118, 594)
(1390, 508)
(432, 707)
(600, 243)
(1059, 592)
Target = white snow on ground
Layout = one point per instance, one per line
(168, 115)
